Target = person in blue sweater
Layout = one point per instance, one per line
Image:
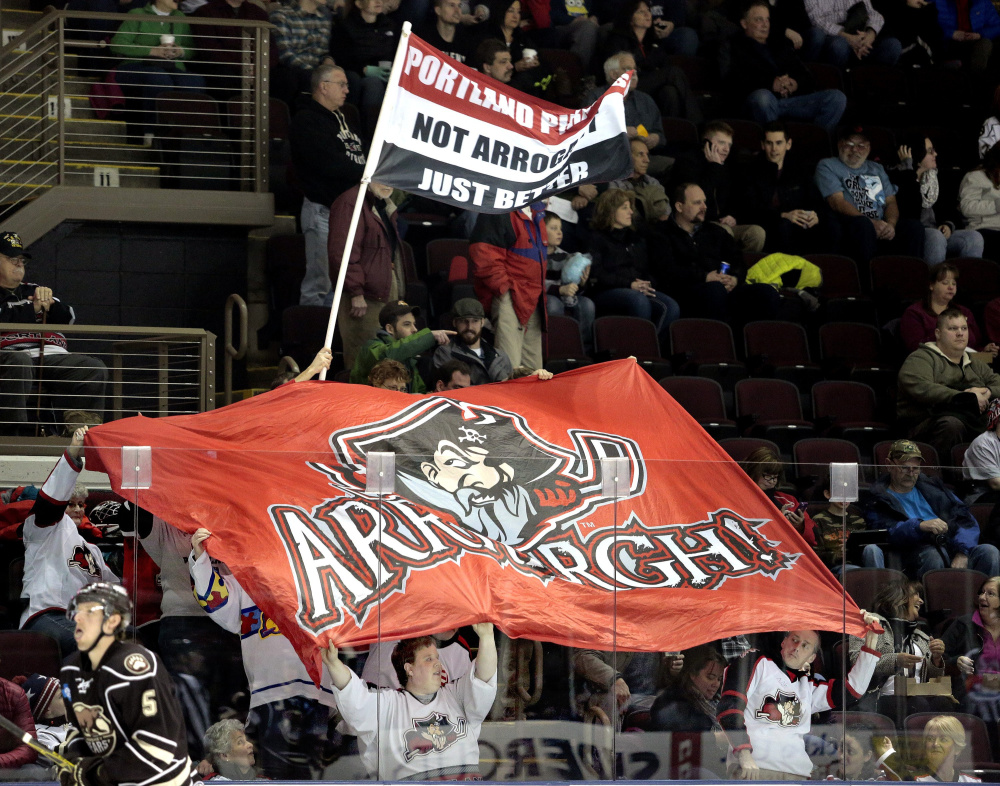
(969, 27)
(928, 526)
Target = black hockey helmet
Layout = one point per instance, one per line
(113, 598)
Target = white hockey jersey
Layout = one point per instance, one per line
(768, 708)
(169, 548)
(401, 738)
(273, 668)
(456, 661)
(57, 559)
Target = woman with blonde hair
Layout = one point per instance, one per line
(621, 281)
(944, 740)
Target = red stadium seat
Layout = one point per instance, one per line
(703, 400)
(864, 584)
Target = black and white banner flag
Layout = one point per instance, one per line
(458, 136)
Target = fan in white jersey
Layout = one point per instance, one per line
(57, 559)
(453, 649)
(944, 741)
(769, 697)
(423, 731)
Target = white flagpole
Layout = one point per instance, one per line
(388, 105)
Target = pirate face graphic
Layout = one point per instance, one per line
(484, 466)
(432, 734)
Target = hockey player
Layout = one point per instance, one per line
(768, 698)
(425, 731)
(57, 559)
(289, 714)
(121, 700)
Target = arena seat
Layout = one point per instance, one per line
(864, 584)
(702, 399)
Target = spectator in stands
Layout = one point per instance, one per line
(57, 559)
(622, 280)
(915, 26)
(862, 202)
(768, 75)
(780, 197)
(329, 158)
(689, 702)
(834, 525)
(707, 168)
(453, 649)
(928, 526)
(852, 32)
(290, 714)
(943, 392)
(573, 27)
(77, 381)
(704, 269)
(229, 751)
(48, 710)
(486, 363)
(989, 134)
(768, 472)
(375, 274)
(447, 33)
(389, 374)
(451, 375)
(604, 694)
(906, 649)
(642, 117)
(381, 716)
(981, 468)
(650, 198)
(857, 757)
(979, 201)
(789, 20)
(633, 32)
(505, 25)
(14, 754)
(762, 748)
(560, 296)
(508, 253)
(919, 321)
(969, 28)
(494, 59)
(971, 644)
(398, 339)
(944, 739)
(220, 48)
(916, 179)
(364, 44)
(302, 36)
(151, 62)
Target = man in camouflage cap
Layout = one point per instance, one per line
(927, 525)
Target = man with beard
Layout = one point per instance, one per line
(486, 362)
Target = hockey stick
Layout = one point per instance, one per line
(60, 761)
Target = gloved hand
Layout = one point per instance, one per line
(88, 772)
(377, 71)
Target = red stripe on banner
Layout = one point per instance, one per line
(435, 77)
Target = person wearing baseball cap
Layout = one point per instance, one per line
(75, 381)
(928, 527)
(981, 467)
(398, 339)
(486, 362)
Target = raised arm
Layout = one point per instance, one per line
(340, 674)
(486, 659)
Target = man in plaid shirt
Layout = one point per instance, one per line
(302, 36)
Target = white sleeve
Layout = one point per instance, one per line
(221, 597)
(378, 668)
(475, 696)
(359, 706)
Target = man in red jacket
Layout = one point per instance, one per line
(509, 258)
(14, 754)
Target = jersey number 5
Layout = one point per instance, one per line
(149, 703)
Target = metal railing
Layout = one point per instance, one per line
(73, 111)
(150, 371)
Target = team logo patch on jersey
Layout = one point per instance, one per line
(432, 734)
(97, 730)
(137, 663)
(785, 709)
(82, 559)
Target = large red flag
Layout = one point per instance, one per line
(499, 512)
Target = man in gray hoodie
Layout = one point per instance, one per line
(943, 391)
(487, 363)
